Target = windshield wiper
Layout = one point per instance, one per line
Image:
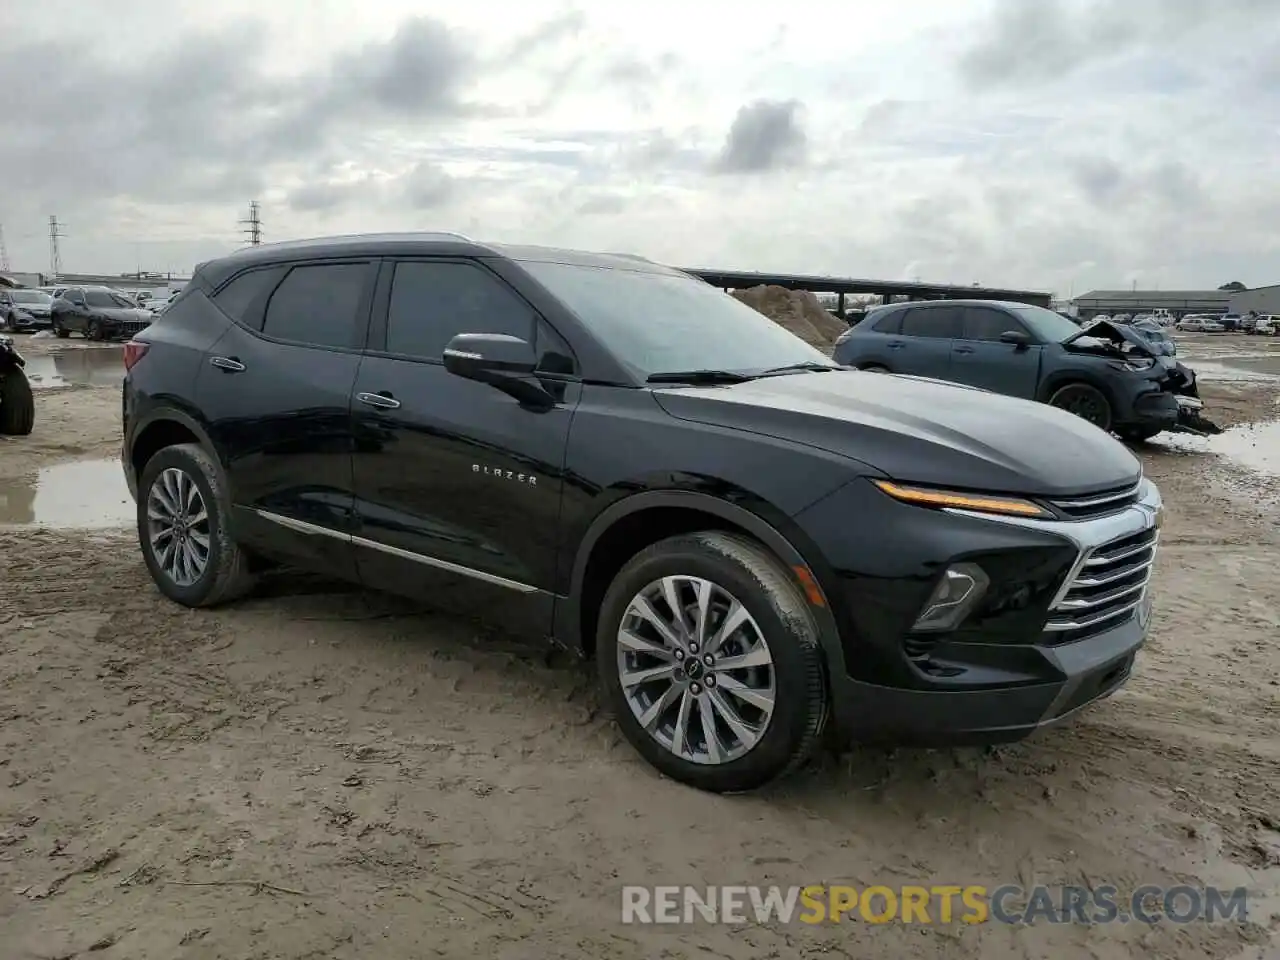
(803, 365)
(699, 376)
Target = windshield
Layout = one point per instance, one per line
(104, 298)
(1045, 324)
(658, 323)
(30, 296)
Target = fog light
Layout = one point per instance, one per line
(960, 588)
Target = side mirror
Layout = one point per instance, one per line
(501, 361)
(1017, 338)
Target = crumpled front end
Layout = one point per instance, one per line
(1121, 342)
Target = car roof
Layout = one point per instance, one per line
(953, 303)
(419, 244)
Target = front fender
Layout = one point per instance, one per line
(776, 531)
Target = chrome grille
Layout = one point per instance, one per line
(1106, 590)
(1098, 504)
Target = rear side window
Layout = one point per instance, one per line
(934, 322)
(319, 305)
(431, 303)
(890, 324)
(243, 297)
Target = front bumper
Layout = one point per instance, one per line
(1013, 669)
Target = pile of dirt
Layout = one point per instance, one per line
(798, 311)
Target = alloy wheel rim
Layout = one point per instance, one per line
(178, 527)
(1084, 406)
(696, 670)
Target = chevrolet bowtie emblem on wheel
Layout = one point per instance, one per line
(499, 474)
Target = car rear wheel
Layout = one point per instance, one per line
(17, 404)
(710, 659)
(182, 529)
(59, 331)
(1087, 402)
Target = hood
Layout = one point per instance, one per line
(121, 313)
(920, 431)
(1119, 340)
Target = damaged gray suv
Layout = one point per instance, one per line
(1107, 373)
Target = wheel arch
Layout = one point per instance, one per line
(1057, 380)
(165, 427)
(629, 525)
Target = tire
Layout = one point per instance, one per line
(874, 368)
(225, 575)
(736, 568)
(1137, 434)
(92, 331)
(17, 404)
(59, 331)
(1085, 401)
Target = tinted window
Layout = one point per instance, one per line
(102, 298)
(890, 324)
(318, 305)
(983, 323)
(1046, 324)
(938, 322)
(431, 303)
(240, 298)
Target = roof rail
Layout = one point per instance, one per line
(449, 233)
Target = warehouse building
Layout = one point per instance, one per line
(1259, 300)
(1177, 302)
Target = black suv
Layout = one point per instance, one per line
(611, 453)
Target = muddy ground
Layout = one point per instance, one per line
(318, 772)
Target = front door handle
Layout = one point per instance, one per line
(383, 401)
(896, 345)
(227, 364)
(964, 349)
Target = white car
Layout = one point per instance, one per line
(1267, 326)
(1190, 324)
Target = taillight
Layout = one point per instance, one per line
(134, 351)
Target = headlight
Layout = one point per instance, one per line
(959, 500)
(1137, 364)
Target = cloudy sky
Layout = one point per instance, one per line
(1049, 144)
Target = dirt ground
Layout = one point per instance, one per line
(322, 773)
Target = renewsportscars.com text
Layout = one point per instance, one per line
(942, 904)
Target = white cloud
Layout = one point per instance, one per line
(1062, 144)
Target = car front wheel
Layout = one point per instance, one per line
(1085, 401)
(182, 529)
(710, 660)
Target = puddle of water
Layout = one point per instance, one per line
(1254, 446)
(92, 366)
(83, 494)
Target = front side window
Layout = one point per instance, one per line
(985, 323)
(669, 323)
(434, 301)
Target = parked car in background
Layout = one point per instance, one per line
(97, 313)
(578, 445)
(25, 310)
(1199, 323)
(1267, 325)
(1156, 335)
(1108, 373)
(1230, 322)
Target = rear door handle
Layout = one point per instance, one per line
(896, 345)
(964, 349)
(383, 401)
(227, 364)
